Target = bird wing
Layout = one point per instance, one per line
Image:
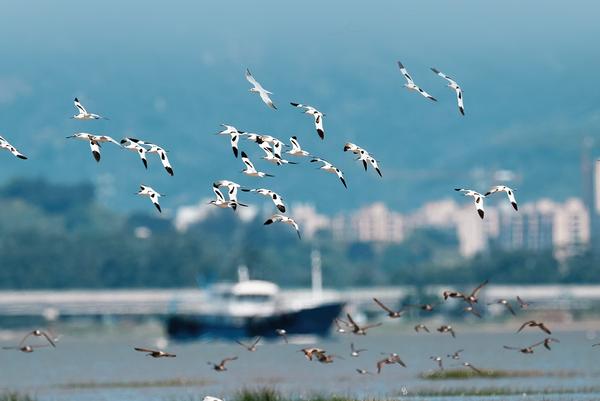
(165, 160)
(252, 80)
(425, 94)
(382, 306)
(24, 339)
(219, 194)
(256, 341)
(247, 161)
(267, 99)
(79, 106)
(525, 324)
(95, 147)
(474, 368)
(144, 349)
(459, 100)
(352, 322)
(370, 326)
(341, 176)
(47, 337)
(446, 77)
(405, 73)
(479, 287)
(512, 348)
(510, 309)
(319, 125)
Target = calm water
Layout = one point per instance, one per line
(105, 359)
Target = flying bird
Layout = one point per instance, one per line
(262, 92)
(318, 116)
(454, 86)
(446, 329)
(506, 305)
(4, 144)
(26, 348)
(410, 84)
(533, 323)
(523, 304)
(38, 333)
(309, 353)
(83, 113)
(283, 219)
(250, 170)
(232, 188)
(420, 327)
(529, 350)
(473, 297)
(152, 194)
(297, 149)
(355, 352)
(95, 141)
(455, 355)
(221, 202)
(477, 197)
(250, 347)
(365, 157)
(275, 197)
(220, 367)
(155, 353)
(330, 168)
(509, 192)
(133, 145)
(438, 360)
(360, 330)
(282, 333)
(391, 313)
(389, 360)
(234, 136)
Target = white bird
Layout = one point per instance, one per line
(275, 197)
(250, 170)
(152, 194)
(234, 135)
(296, 148)
(477, 197)
(330, 168)
(4, 144)
(95, 141)
(453, 85)
(83, 113)
(318, 116)
(365, 157)
(283, 219)
(273, 158)
(221, 202)
(410, 84)
(134, 145)
(211, 398)
(232, 188)
(162, 154)
(264, 94)
(509, 192)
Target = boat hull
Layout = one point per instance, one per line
(310, 321)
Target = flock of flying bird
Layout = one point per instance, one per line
(273, 149)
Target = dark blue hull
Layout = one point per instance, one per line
(311, 321)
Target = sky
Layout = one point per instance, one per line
(172, 72)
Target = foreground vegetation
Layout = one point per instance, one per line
(12, 396)
(50, 231)
(453, 374)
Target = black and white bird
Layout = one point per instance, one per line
(134, 145)
(454, 86)
(4, 144)
(438, 360)
(318, 116)
(221, 202)
(365, 157)
(330, 168)
(354, 352)
(410, 84)
(84, 114)
(509, 192)
(232, 188)
(262, 92)
(95, 141)
(273, 158)
(234, 135)
(297, 149)
(274, 196)
(477, 197)
(250, 170)
(152, 194)
(155, 353)
(279, 218)
(162, 154)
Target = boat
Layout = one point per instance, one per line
(251, 308)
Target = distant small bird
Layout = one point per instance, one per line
(438, 360)
(162, 154)
(275, 197)
(529, 350)
(309, 353)
(355, 352)
(506, 305)
(282, 333)
(360, 330)
(133, 145)
(423, 307)
(477, 197)
(446, 329)
(454, 86)
(523, 304)
(472, 310)
(390, 313)
(318, 116)
(363, 372)
(211, 398)
(297, 149)
(152, 194)
(250, 170)
(221, 202)
(26, 348)
(327, 358)
(155, 353)
(473, 297)
(4, 144)
(338, 325)
(262, 92)
(533, 323)
(509, 192)
(95, 141)
(220, 367)
(365, 157)
(83, 113)
(470, 366)
(250, 347)
(234, 136)
(389, 360)
(330, 168)
(283, 219)
(410, 84)
(420, 327)
(38, 333)
(455, 355)
(452, 294)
